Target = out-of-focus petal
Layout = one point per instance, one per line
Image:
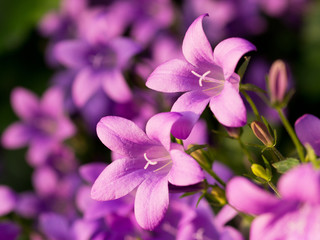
(52, 101)
(24, 103)
(173, 76)
(9, 230)
(65, 129)
(228, 53)
(152, 200)
(45, 181)
(248, 198)
(122, 136)
(196, 47)
(39, 150)
(91, 171)
(228, 107)
(8, 200)
(115, 86)
(308, 130)
(190, 105)
(302, 184)
(54, 226)
(72, 53)
(159, 127)
(118, 179)
(16, 135)
(185, 170)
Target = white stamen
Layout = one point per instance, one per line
(201, 77)
(148, 161)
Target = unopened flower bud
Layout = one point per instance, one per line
(259, 171)
(233, 132)
(261, 132)
(219, 195)
(197, 154)
(278, 81)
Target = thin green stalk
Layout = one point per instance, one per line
(277, 153)
(252, 105)
(245, 150)
(274, 188)
(292, 134)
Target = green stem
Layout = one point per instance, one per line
(252, 105)
(292, 134)
(277, 153)
(274, 188)
(216, 177)
(245, 150)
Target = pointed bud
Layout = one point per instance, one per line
(261, 132)
(278, 81)
(233, 132)
(260, 172)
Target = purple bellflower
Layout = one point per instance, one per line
(307, 128)
(43, 124)
(206, 77)
(150, 162)
(296, 215)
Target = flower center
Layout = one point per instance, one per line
(204, 78)
(156, 161)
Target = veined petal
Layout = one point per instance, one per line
(16, 135)
(308, 130)
(24, 102)
(115, 86)
(173, 76)
(123, 136)
(228, 107)
(159, 127)
(152, 200)
(248, 198)
(228, 53)
(118, 179)
(190, 105)
(196, 47)
(85, 85)
(72, 53)
(185, 170)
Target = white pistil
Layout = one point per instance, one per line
(149, 162)
(204, 78)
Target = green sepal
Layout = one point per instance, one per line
(285, 165)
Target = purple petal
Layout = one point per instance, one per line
(45, 181)
(228, 107)
(173, 76)
(228, 53)
(248, 198)
(52, 101)
(308, 131)
(85, 85)
(39, 150)
(196, 47)
(24, 103)
(9, 230)
(123, 136)
(225, 215)
(91, 171)
(115, 86)
(118, 179)
(72, 53)
(65, 129)
(28, 205)
(8, 200)
(16, 135)
(162, 134)
(190, 105)
(185, 170)
(301, 183)
(152, 200)
(198, 135)
(84, 229)
(54, 226)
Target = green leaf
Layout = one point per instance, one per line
(187, 194)
(242, 69)
(252, 88)
(195, 148)
(286, 165)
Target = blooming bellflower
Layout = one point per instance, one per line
(206, 77)
(150, 162)
(296, 215)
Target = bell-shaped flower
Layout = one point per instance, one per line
(206, 77)
(150, 162)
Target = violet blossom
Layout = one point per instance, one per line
(296, 215)
(150, 162)
(206, 77)
(43, 123)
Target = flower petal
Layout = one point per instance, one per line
(159, 127)
(16, 135)
(302, 184)
(228, 107)
(196, 47)
(91, 171)
(24, 102)
(185, 170)
(228, 53)
(308, 130)
(118, 179)
(72, 53)
(152, 200)
(248, 198)
(52, 101)
(115, 86)
(190, 105)
(173, 76)
(8, 200)
(123, 136)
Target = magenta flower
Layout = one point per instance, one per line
(43, 124)
(296, 215)
(150, 162)
(308, 131)
(206, 77)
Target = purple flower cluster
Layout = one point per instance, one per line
(127, 79)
